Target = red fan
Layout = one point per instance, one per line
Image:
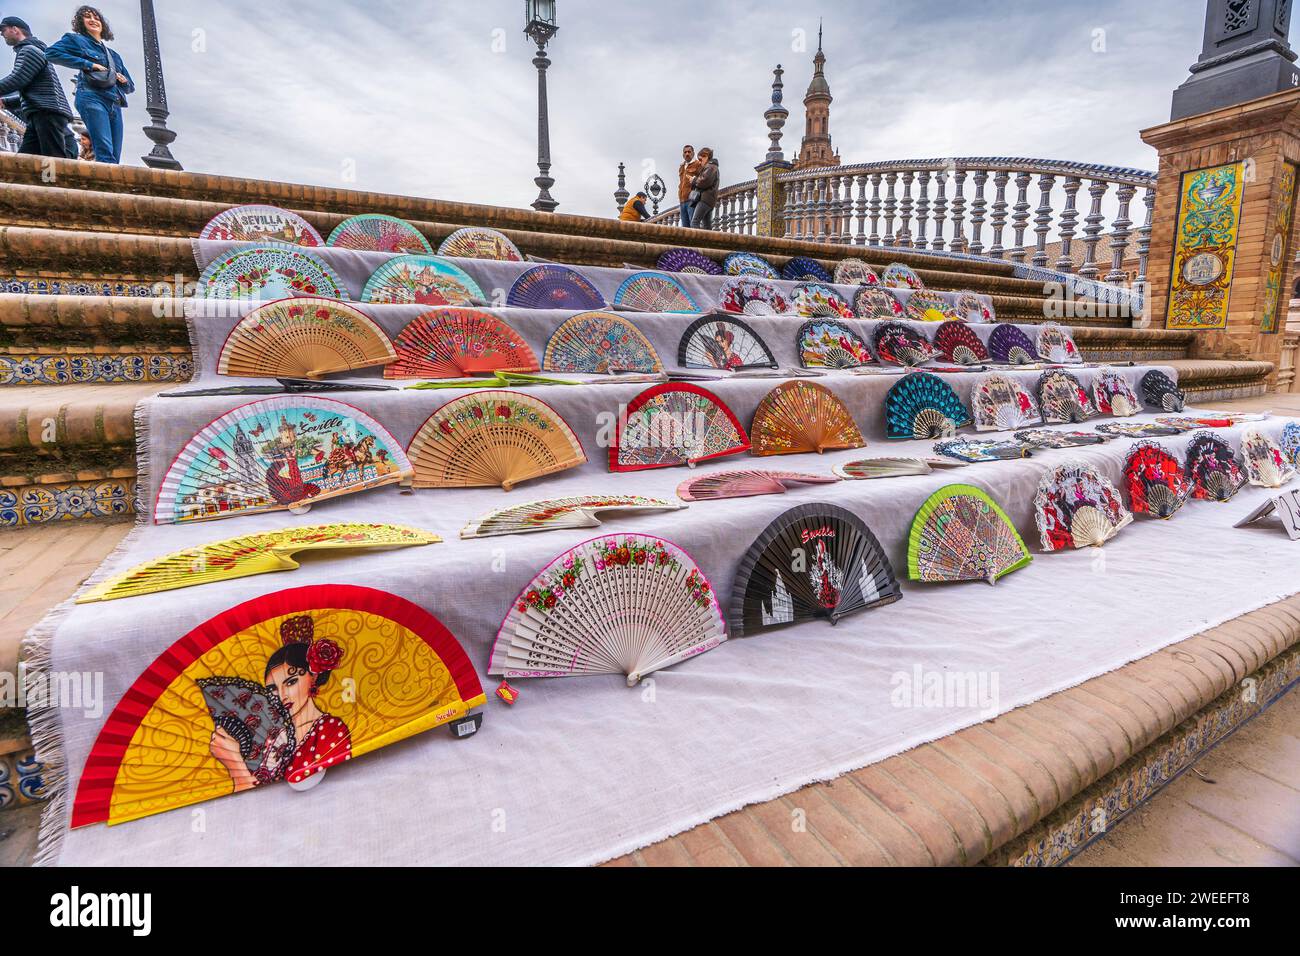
(675, 424)
(454, 343)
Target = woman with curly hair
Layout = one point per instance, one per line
(102, 80)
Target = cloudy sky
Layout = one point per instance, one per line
(438, 98)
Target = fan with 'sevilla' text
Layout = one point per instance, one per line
(303, 338)
(456, 343)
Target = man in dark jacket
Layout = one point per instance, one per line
(33, 88)
(706, 184)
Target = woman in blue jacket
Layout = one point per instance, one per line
(102, 80)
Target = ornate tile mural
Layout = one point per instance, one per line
(1279, 248)
(1205, 247)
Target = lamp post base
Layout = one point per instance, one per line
(544, 201)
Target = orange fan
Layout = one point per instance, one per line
(798, 417)
(303, 338)
(455, 343)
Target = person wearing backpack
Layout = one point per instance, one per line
(103, 82)
(33, 91)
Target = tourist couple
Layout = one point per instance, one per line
(698, 187)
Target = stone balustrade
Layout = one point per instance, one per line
(11, 132)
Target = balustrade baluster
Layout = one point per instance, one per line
(922, 208)
(891, 207)
(1069, 217)
(874, 238)
(940, 209)
(978, 207)
(788, 215)
(1144, 239)
(1043, 219)
(1092, 231)
(833, 210)
(1000, 180)
(958, 242)
(905, 212)
(1020, 220)
(1121, 230)
(860, 211)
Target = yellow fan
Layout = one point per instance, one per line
(249, 555)
(802, 417)
(492, 438)
(303, 338)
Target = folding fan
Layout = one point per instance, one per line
(554, 287)
(814, 300)
(803, 269)
(1266, 465)
(625, 604)
(303, 338)
(855, 272)
(1046, 438)
(798, 417)
(1291, 442)
(829, 344)
(375, 233)
(957, 342)
(675, 424)
(976, 450)
(723, 343)
(1115, 396)
(869, 468)
(252, 554)
(600, 342)
(1190, 423)
(1155, 480)
(1076, 507)
(921, 405)
(871, 302)
(560, 513)
(261, 224)
(421, 280)
(898, 344)
(492, 438)
(478, 243)
(925, 306)
(285, 452)
(1055, 344)
(752, 295)
(746, 484)
(655, 292)
(1062, 399)
(814, 561)
(899, 276)
(999, 403)
(223, 709)
(1212, 468)
(269, 273)
(688, 261)
(960, 534)
(748, 264)
(1010, 346)
(456, 343)
(1161, 393)
(972, 308)
(1136, 430)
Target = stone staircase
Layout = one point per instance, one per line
(84, 337)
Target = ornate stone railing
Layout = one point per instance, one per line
(736, 212)
(11, 132)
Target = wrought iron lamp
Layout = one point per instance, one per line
(540, 28)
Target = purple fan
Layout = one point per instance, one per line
(690, 261)
(1009, 346)
(554, 287)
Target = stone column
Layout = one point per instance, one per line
(771, 210)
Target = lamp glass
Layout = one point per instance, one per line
(540, 11)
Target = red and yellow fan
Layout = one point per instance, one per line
(492, 438)
(456, 343)
(675, 424)
(277, 689)
(303, 338)
(797, 417)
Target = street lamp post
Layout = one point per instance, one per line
(160, 157)
(541, 27)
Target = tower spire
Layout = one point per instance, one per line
(816, 149)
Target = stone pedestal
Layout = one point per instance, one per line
(771, 199)
(1223, 241)
(1245, 55)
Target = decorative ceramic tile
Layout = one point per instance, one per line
(1205, 247)
(22, 780)
(1279, 248)
(75, 287)
(44, 504)
(104, 369)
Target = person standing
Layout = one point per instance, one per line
(33, 88)
(102, 80)
(705, 190)
(685, 173)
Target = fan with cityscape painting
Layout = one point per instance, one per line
(825, 343)
(421, 280)
(1055, 344)
(261, 224)
(475, 242)
(855, 272)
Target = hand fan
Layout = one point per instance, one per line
(1155, 480)
(898, 344)
(924, 306)
(751, 295)
(1055, 344)
(976, 450)
(492, 438)
(722, 343)
(252, 554)
(1046, 438)
(374, 233)
(1190, 423)
(746, 484)
(1115, 396)
(624, 604)
(277, 689)
(1076, 507)
(675, 424)
(421, 280)
(303, 338)
(1136, 430)
(1212, 468)
(899, 276)
(960, 534)
(554, 287)
(829, 344)
(973, 308)
(871, 302)
(999, 403)
(456, 343)
(1062, 399)
(798, 417)
(1010, 346)
(263, 224)
(814, 561)
(479, 243)
(689, 261)
(269, 273)
(747, 264)
(655, 292)
(868, 468)
(560, 513)
(1291, 442)
(803, 269)
(813, 300)
(921, 405)
(855, 272)
(1266, 466)
(957, 342)
(600, 342)
(1161, 393)
(287, 452)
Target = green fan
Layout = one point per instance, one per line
(961, 534)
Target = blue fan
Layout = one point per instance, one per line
(922, 405)
(1291, 442)
(803, 269)
(1010, 346)
(748, 264)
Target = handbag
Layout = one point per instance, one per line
(694, 197)
(106, 80)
